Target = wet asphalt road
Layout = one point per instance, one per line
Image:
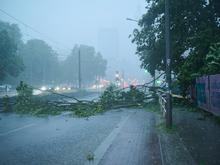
(53, 140)
(123, 136)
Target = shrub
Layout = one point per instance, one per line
(24, 98)
(6, 103)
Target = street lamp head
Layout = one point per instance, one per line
(130, 19)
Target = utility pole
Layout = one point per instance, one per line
(168, 65)
(79, 69)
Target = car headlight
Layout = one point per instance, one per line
(43, 88)
(57, 88)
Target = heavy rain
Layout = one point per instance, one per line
(109, 82)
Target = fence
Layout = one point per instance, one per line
(208, 93)
(162, 101)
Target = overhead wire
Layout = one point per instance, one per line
(33, 29)
(57, 43)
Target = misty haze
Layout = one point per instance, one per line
(109, 82)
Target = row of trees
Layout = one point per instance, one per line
(195, 29)
(36, 63)
(93, 65)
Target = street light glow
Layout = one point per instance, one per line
(57, 88)
(43, 88)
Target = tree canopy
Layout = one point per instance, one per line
(43, 67)
(195, 26)
(40, 62)
(36, 63)
(10, 63)
(92, 64)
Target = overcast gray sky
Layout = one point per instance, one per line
(92, 22)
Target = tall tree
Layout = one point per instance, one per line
(40, 62)
(194, 27)
(10, 63)
(92, 65)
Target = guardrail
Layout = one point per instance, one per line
(162, 95)
(162, 101)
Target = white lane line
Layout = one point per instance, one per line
(30, 125)
(103, 147)
(16, 130)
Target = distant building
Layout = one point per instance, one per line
(108, 45)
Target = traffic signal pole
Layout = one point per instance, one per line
(168, 66)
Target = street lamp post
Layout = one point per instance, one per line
(168, 65)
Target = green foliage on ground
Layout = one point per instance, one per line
(24, 101)
(113, 96)
(110, 99)
(90, 156)
(6, 103)
(162, 127)
(152, 106)
(38, 108)
(86, 110)
(26, 104)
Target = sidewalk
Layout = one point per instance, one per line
(136, 144)
(200, 133)
(138, 141)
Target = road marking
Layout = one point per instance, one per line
(103, 147)
(16, 130)
(31, 125)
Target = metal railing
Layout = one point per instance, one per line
(162, 101)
